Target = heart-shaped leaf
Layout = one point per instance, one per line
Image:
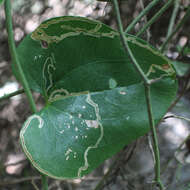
(95, 99)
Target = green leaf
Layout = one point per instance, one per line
(95, 103)
(72, 136)
(73, 54)
(181, 68)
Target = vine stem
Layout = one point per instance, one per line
(155, 17)
(14, 55)
(16, 61)
(148, 35)
(173, 17)
(172, 20)
(183, 20)
(44, 182)
(154, 137)
(143, 12)
(147, 84)
(6, 96)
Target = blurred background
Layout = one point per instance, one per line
(133, 167)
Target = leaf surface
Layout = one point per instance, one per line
(78, 133)
(95, 103)
(73, 54)
(181, 68)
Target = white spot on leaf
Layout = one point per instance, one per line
(92, 123)
(75, 154)
(122, 93)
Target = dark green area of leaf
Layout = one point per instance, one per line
(95, 98)
(85, 60)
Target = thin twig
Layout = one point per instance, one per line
(34, 184)
(148, 35)
(7, 96)
(100, 185)
(114, 165)
(155, 17)
(177, 116)
(151, 147)
(184, 141)
(173, 17)
(20, 180)
(138, 18)
(15, 163)
(129, 155)
(182, 21)
(175, 177)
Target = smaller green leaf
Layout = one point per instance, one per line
(181, 68)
